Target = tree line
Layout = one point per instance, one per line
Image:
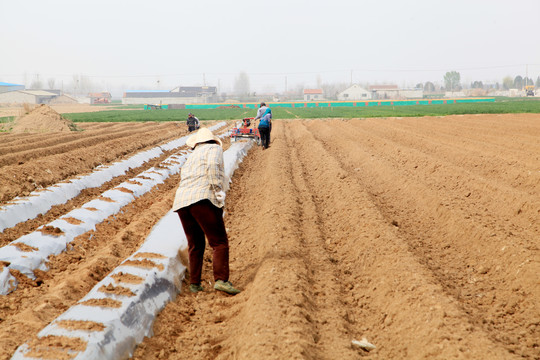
(452, 82)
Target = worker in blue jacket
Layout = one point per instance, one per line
(264, 113)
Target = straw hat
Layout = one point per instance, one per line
(202, 135)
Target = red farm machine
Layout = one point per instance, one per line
(246, 131)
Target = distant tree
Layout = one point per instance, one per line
(241, 85)
(451, 80)
(319, 81)
(419, 86)
(81, 85)
(537, 83)
(429, 87)
(76, 84)
(36, 83)
(331, 90)
(296, 91)
(518, 82)
(477, 85)
(527, 81)
(508, 83)
(86, 84)
(497, 86)
(51, 82)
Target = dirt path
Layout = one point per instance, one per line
(419, 234)
(381, 229)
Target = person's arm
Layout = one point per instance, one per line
(259, 114)
(197, 122)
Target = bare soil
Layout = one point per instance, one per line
(41, 118)
(17, 110)
(419, 234)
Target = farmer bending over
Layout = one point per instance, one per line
(199, 203)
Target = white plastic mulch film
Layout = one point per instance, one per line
(40, 201)
(122, 307)
(31, 251)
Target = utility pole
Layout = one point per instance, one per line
(526, 74)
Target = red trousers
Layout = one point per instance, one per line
(200, 219)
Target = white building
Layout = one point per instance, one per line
(381, 92)
(355, 92)
(64, 99)
(313, 94)
(179, 95)
(27, 96)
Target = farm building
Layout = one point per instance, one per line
(313, 94)
(411, 93)
(27, 96)
(63, 99)
(196, 90)
(355, 92)
(103, 97)
(179, 95)
(5, 87)
(384, 92)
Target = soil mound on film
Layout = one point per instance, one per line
(42, 119)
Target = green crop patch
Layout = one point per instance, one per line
(6, 119)
(499, 106)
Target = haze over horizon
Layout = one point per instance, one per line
(137, 44)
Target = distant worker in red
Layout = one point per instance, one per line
(192, 122)
(199, 203)
(265, 124)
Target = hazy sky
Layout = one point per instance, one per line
(135, 43)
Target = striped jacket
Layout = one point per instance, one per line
(201, 176)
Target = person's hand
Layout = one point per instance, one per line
(220, 196)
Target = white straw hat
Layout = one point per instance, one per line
(202, 135)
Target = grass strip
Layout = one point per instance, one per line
(500, 106)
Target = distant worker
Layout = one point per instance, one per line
(199, 202)
(192, 122)
(265, 124)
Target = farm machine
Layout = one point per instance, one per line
(246, 131)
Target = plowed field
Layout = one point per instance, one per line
(421, 235)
